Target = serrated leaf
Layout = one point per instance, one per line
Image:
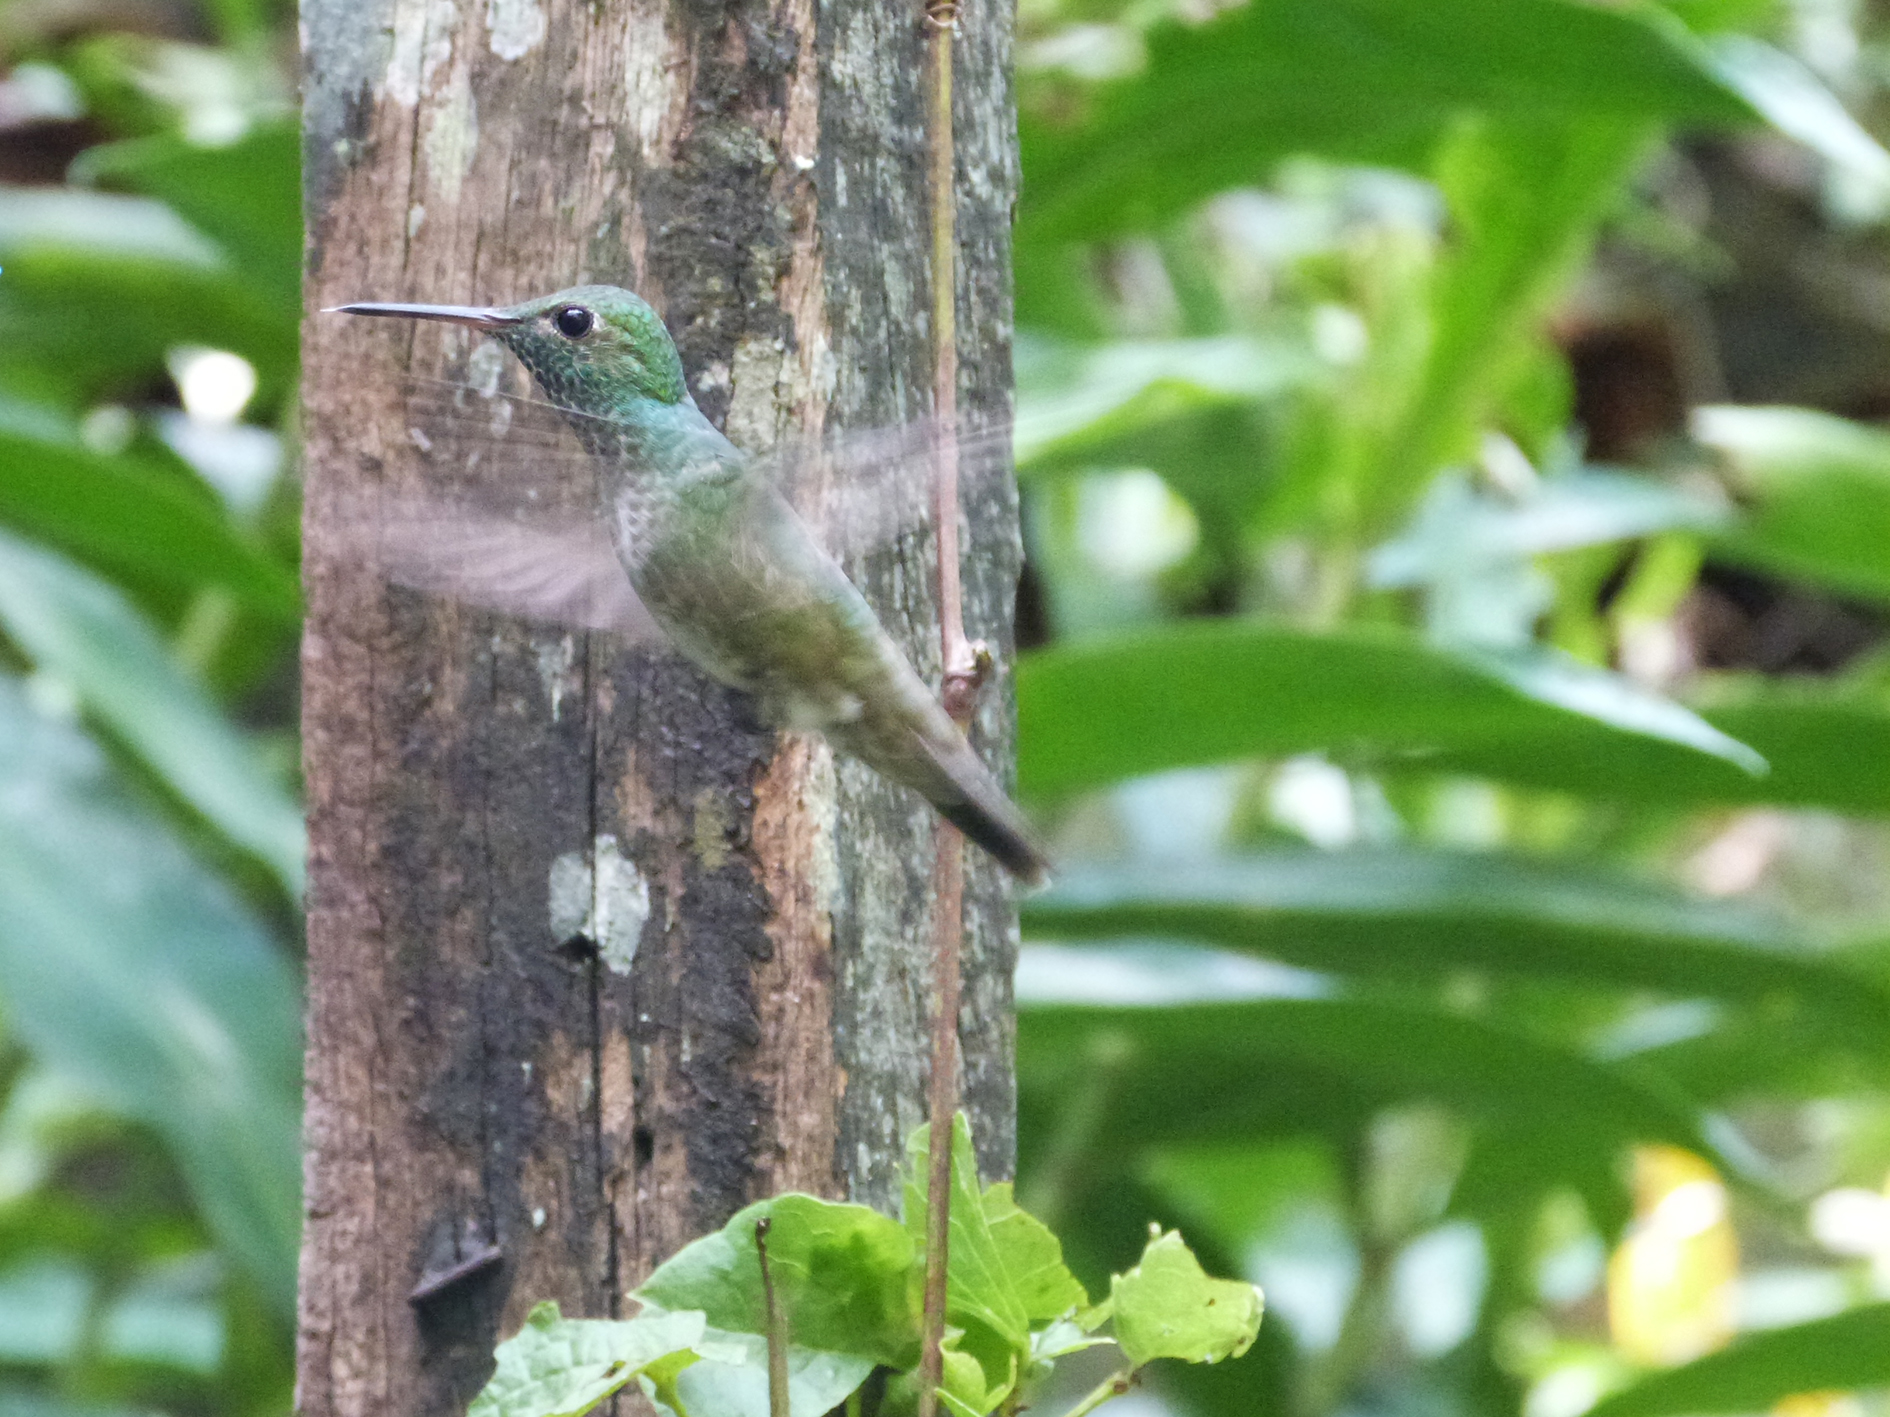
(559, 1367)
(980, 1290)
(841, 1275)
(1033, 1257)
(1168, 1307)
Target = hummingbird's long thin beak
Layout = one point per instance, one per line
(479, 318)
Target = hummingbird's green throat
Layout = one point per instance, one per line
(722, 563)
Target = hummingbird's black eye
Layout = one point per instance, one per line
(574, 321)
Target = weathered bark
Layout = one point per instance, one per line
(502, 1108)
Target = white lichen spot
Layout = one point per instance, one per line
(557, 671)
(714, 376)
(452, 139)
(651, 79)
(514, 27)
(605, 900)
(754, 409)
(416, 218)
(423, 41)
(538, 1217)
(570, 897)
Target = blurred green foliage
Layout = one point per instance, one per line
(1443, 830)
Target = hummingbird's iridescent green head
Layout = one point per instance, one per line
(595, 348)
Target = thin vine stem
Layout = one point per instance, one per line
(1115, 1385)
(959, 665)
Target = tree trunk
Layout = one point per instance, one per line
(593, 958)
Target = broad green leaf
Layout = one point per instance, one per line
(1797, 103)
(1817, 494)
(126, 228)
(1550, 677)
(1458, 530)
(81, 629)
(842, 1276)
(1525, 199)
(1200, 1073)
(1825, 745)
(247, 196)
(731, 1379)
(124, 963)
(1758, 1370)
(1408, 914)
(981, 1296)
(559, 1367)
(1207, 691)
(131, 520)
(1075, 403)
(155, 305)
(1168, 1307)
(1362, 80)
(1032, 1257)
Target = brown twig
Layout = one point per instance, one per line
(959, 662)
(775, 1324)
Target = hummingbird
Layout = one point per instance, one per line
(724, 565)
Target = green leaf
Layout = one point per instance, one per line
(1458, 530)
(981, 1296)
(1205, 1072)
(731, 1378)
(81, 629)
(132, 520)
(1847, 1350)
(125, 964)
(1075, 402)
(842, 1276)
(1817, 491)
(1409, 914)
(1797, 103)
(124, 228)
(1098, 711)
(1167, 1307)
(1355, 80)
(1032, 1257)
(247, 196)
(1826, 745)
(559, 1367)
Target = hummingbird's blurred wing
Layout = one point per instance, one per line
(857, 490)
(559, 569)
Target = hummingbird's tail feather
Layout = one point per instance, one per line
(933, 758)
(1002, 833)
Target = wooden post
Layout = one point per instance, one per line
(593, 958)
